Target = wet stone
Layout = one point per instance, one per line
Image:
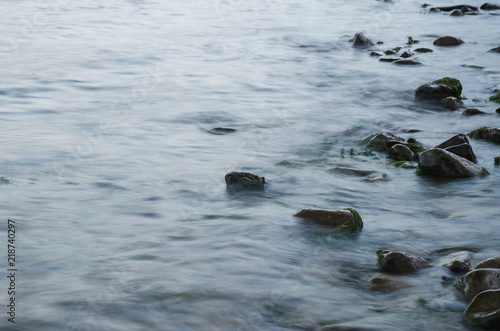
(484, 310)
(448, 41)
(347, 219)
(406, 54)
(477, 281)
(380, 140)
(401, 153)
(221, 131)
(244, 181)
(452, 103)
(493, 263)
(489, 6)
(423, 50)
(407, 62)
(376, 53)
(492, 134)
(463, 150)
(360, 40)
(389, 59)
(456, 12)
(455, 140)
(458, 261)
(439, 89)
(472, 112)
(439, 162)
(494, 50)
(400, 262)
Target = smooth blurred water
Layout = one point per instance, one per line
(117, 187)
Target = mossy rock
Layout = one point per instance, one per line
(346, 219)
(451, 82)
(491, 134)
(484, 310)
(244, 181)
(477, 281)
(495, 98)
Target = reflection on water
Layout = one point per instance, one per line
(117, 182)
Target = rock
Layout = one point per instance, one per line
(244, 180)
(495, 98)
(352, 172)
(412, 144)
(477, 281)
(347, 218)
(221, 131)
(492, 134)
(407, 62)
(472, 112)
(389, 52)
(400, 262)
(489, 6)
(456, 12)
(439, 89)
(484, 310)
(497, 160)
(360, 40)
(492, 263)
(463, 150)
(458, 261)
(452, 103)
(389, 59)
(461, 7)
(379, 141)
(497, 111)
(406, 54)
(447, 41)
(376, 53)
(494, 50)
(401, 153)
(424, 50)
(458, 139)
(439, 162)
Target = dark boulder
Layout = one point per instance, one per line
(347, 218)
(458, 261)
(401, 153)
(484, 310)
(400, 262)
(452, 103)
(456, 12)
(493, 263)
(424, 50)
(473, 111)
(407, 62)
(492, 134)
(448, 41)
(463, 8)
(495, 50)
(221, 131)
(463, 150)
(440, 89)
(360, 40)
(477, 281)
(489, 6)
(379, 141)
(440, 162)
(244, 181)
(458, 139)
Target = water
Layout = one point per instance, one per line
(118, 192)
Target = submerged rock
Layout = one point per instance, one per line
(347, 218)
(440, 162)
(221, 131)
(477, 281)
(406, 54)
(440, 89)
(244, 181)
(408, 62)
(494, 50)
(472, 112)
(389, 59)
(495, 98)
(463, 8)
(489, 6)
(379, 141)
(452, 103)
(492, 134)
(458, 261)
(423, 50)
(493, 263)
(360, 40)
(400, 262)
(376, 53)
(448, 41)
(484, 310)
(351, 171)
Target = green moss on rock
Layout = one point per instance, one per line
(357, 219)
(476, 134)
(495, 98)
(451, 82)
